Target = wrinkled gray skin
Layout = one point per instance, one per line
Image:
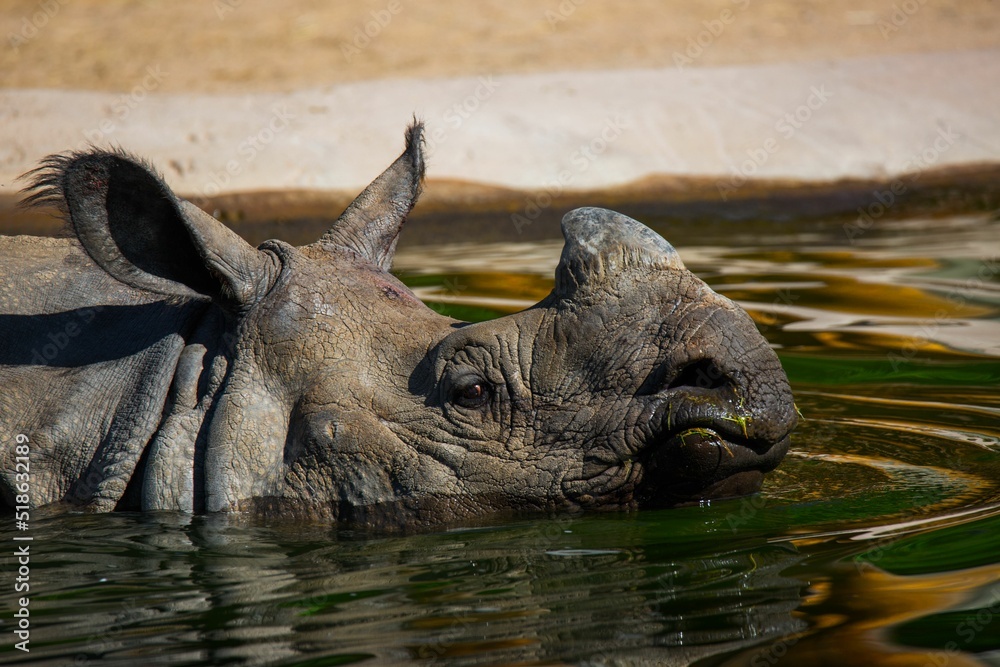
(159, 362)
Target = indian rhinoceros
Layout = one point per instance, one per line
(157, 361)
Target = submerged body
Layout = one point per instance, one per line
(158, 362)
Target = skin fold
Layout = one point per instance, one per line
(156, 361)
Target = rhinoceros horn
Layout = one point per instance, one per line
(371, 224)
(602, 245)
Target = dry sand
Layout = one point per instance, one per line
(227, 46)
(680, 97)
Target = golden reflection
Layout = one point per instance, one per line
(883, 338)
(879, 340)
(506, 285)
(879, 298)
(847, 294)
(839, 259)
(867, 604)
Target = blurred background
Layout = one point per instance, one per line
(703, 103)
(217, 46)
(833, 167)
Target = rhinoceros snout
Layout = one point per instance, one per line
(715, 434)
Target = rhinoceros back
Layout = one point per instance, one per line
(85, 366)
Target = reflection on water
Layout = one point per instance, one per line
(913, 289)
(212, 590)
(877, 542)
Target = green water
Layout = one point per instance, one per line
(876, 542)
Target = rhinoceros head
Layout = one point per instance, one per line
(633, 384)
(336, 392)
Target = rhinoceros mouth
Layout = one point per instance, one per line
(692, 465)
(701, 464)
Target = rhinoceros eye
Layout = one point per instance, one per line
(473, 393)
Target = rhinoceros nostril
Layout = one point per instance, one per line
(702, 373)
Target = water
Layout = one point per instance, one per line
(877, 542)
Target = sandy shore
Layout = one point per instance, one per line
(251, 110)
(235, 46)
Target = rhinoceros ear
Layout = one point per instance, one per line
(137, 230)
(602, 244)
(371, 224)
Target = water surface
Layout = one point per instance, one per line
(877, 542)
